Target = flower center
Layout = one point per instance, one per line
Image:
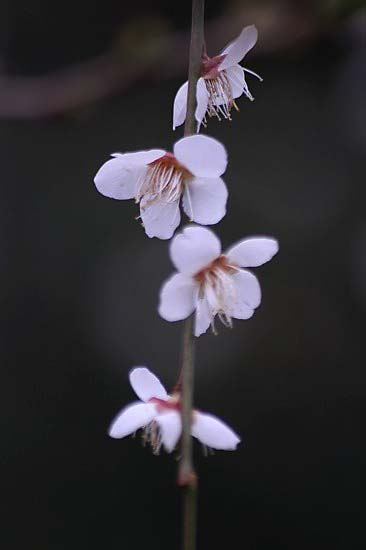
(152, 432)
(217, 287)
(163, 180)
(220, 96)
(210, 65)
(172, 404)
(213, 270)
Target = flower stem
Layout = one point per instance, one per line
(195, 58)
(186, 474)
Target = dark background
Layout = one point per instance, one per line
(80, 280)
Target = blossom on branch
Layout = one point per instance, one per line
(158, 413)
(222, 81)
(211, 283)
(158, 180)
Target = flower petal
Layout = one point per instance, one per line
(146, 385)
(213, 432)
(170, 427)
(252, 252)
(118, 177)
(204, 200)
(236, 78)
(160, 218)
(202, 102)
(203, 156)
(203, 318)
(118, 180)
(140, 158)
(239, 47)
(131, 418)
(238, 309)
(247, 292)
(194, 248)
(180, 106)
(177, 298)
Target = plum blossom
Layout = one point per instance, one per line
(158, 180)
(212, 283)
(222, 81)
(158, 414)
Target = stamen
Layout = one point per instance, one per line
(152, 436)
(225, 319)
(206, 450)
(220, 97)
(163, 181)
(217, 287)
(253, 73)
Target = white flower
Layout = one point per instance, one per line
(159, 415)
(212, 283)
(222, 81)
(157, 180)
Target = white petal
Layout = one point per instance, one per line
(171, 427)
(132, 418)
(239, 310)
(239, 47)
(160, 218)
(194, 248)
(203, 317)
(118, 180)
(248, 292)
(146, 385)
(203, 156)
(119, 176)
(236, 78)
(177, 298)
(180, 106)
(140, 158)
(202, 101)
(204, 200)
(213, 432)
(252, 252)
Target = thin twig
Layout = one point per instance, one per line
(186, 474)
(195, 59)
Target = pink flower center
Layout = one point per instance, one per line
(163, 180)
(217, 287)
(220, 94)
(172, 404)
(210, 65)
(213, 270)
(152, 431)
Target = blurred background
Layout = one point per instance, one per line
(80, 280)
